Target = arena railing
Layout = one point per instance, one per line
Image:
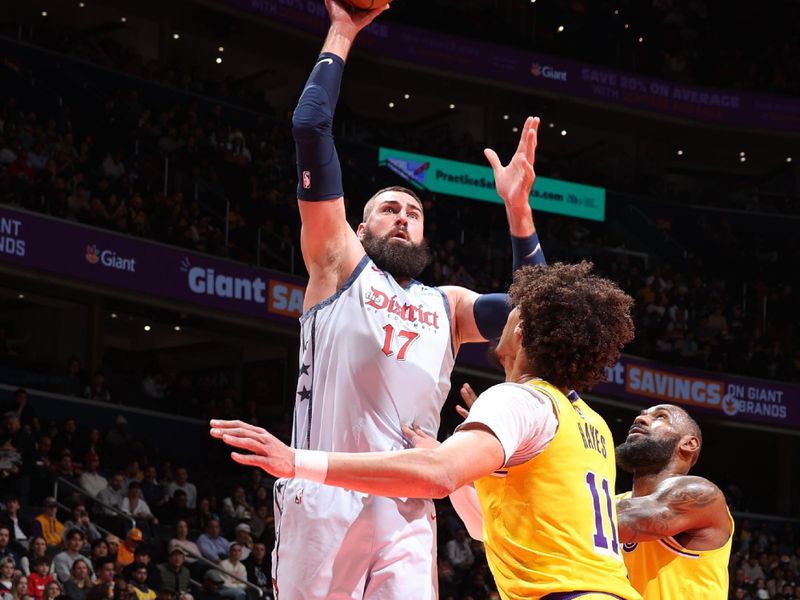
(77, 488)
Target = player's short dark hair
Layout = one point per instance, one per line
(392, 188)
(574, 322)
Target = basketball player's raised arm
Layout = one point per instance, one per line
(481, 317)
(677, 505)
(330, 248)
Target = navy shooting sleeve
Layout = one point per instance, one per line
(319, 174)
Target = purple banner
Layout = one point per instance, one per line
(717, 394)
(98, 256)
(546, 73)
(722, 395)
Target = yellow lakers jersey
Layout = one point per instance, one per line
(664, 570)
(549, 524)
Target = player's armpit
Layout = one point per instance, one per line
(677, 505)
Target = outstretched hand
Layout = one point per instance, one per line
(515, 180)
(351, 20)
(267, 451)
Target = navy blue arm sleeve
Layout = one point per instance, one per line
(527, 251)
(319, 174)
(491, 312)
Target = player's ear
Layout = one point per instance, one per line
(360, 230)
(690, 444)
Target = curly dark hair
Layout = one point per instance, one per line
(574, 322)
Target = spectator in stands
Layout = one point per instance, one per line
(6, 578)
(212, 545)
(37, 550)
(90, 480)
(244, 537)
(234, 573)
(80, 520)
(47, 524)
(205, 513)
(133, 504)
(39, 578)
(118, 441)
(53, 591)
(104, 585)
(155, 494)
(139, 584)
(177, 509)
(19, 588)
(98, 553)
(18, 462)
(80, 581)
(212, 584)
(67, 438)
(27, 414)
(62, 562)
(126, 549)
(752, 569)
(182, 483)
(65, 469)
(174, 573)
(261, 522)
(132, 473)
(112, 495)
(142, 555)
(97, 390)
(459, 553)
(113, 544)
(259, 568)
(235, 507)
(20, 527)
(182, 541)
(7, 549)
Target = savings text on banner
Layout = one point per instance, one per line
(726, 396)
(93, 255)
(476, 182)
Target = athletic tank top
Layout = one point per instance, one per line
(374, 356)
(664, 570)
(550, 523)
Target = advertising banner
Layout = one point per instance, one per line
(476, 182)
(92, 255)
(719, 394)
(98, 256)
(647, 383)
(471, 58)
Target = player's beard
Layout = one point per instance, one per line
(645, 454)
(403, 261)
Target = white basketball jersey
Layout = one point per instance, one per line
(374, 356)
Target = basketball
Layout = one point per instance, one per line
(367, 4)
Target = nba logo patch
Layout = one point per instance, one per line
(306, 180)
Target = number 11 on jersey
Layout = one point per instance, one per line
(389, 341)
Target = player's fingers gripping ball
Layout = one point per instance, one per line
(367, 4)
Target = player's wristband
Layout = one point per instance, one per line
(311, 465)
(319, 174)
(527, 251)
